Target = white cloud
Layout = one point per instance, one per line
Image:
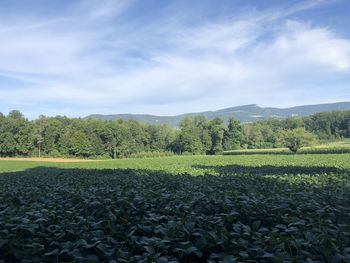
(96, 66)
(301, 46)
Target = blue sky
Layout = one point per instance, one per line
(74, 58)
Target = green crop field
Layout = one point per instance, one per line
(251, 208)
(326, 148)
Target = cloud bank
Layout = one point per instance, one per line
(104, 57)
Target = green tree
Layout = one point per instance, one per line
(296, 138)
(80, 144)
(38, 137)
(217, 130)
(252, 136)
(232, 135)
(15, 114)
(291, 123)
(189, 137)
(106, 133)
(17, 136)
(203, 126)
(160, 137)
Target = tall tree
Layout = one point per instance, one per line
(233, 135)
(80, 145)
(203, 126)
(17, 135)
(252, 136)
(217, 130)
(189, 137)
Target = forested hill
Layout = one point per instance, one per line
(245, 113)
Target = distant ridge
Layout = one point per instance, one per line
(244, 113)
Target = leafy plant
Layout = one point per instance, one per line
(296, 138)
(261, 208)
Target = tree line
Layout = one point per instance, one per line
(63, 137)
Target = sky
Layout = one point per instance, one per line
(167, 57)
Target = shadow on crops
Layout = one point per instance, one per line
(270, 170)
(208, 173)
(204, 170)
(142, 199)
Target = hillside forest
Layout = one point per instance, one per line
(75, 137)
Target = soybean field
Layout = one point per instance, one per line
(251, 208)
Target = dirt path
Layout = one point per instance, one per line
(52, 160)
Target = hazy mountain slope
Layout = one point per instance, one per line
(245, 113)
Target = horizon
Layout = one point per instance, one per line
(171, 116)
(214, 110)
(170, 58)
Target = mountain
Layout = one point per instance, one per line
(245, 113)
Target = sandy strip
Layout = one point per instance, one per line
(52, 160)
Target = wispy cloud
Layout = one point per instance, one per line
(96, 57)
